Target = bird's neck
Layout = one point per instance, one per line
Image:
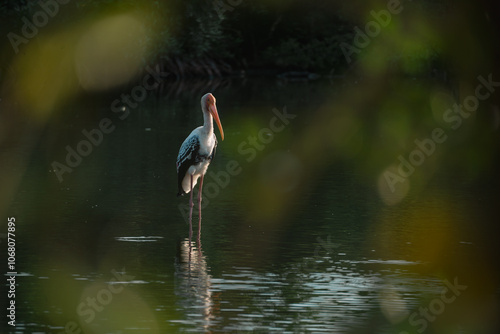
(208, 125)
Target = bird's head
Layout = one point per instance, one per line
(208, 105)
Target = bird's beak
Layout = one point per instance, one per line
(215, 115)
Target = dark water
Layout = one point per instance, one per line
(298, 233)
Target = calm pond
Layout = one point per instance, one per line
(319, 215)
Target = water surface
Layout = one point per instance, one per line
(298, 234)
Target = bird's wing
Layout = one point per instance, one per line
(188, 153)
(188, 156)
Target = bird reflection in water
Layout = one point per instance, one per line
(193, 283)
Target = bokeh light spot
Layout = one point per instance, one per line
(440, 102)
(392, 187)
(110, 52)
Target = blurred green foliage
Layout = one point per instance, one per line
(291, 35)
(260, 35)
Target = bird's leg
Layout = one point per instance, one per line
(199, 208)
(191, 211)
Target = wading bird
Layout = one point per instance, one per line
(196, 153)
